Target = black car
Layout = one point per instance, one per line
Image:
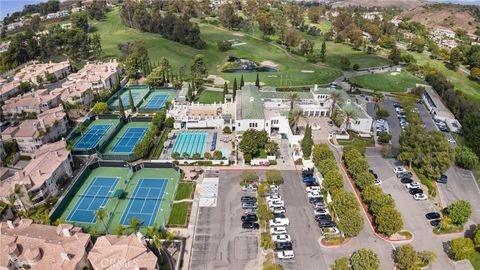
(326, 223)
(281, 246)
(414, 191)
(315, 200)
(433, 215)
(435, 222)
(323, 217)
(250, 225)
(404, 175)
(248, 199)
(443, 179)
(279, 215)
(311, 184)
(397, 105)
(249, 218)
(406, 180)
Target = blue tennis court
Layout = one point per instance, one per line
(91, 138)
(129, 139)
(156, 102)
(145, 201)
(95, 197)
(126, 98)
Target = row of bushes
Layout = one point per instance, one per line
(143, 148)
(380, 205)
(344, 203)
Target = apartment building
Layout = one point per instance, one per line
(40, 70)
(32, 102)
(42, 246)
(41, 178)
(49, 126)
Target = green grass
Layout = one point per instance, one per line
(114, 32)
(179, 213)
(461, 82)
(208, 97)
(385, 82)
(184, 191)
(357, 142)
(475, 260)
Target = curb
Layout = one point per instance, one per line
(334, 246)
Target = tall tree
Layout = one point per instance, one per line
(335, 97)
(307, 142)
(257, 81)
(198, 67)
(225, 89)
(323, 51)
(292, 97)
(130, 101)
(349, 116)
(121, 109)
(234, 88)
(294, 117)
(242, 82)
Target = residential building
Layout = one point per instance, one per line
(396, 21)
(42, 178)
(371, 16)
(49, 126)
(32, 102)
(73, 94)
(8, 89)
(42, 246)
(112, 252)
(438, 110)
(3, 153)
(15, 25)
(36, 70)
(444, 32)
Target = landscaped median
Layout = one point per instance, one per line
(344, 206)
(387, 220)
(182, 206)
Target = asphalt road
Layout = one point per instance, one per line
(393, 123)
(220, 242)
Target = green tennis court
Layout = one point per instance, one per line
(113, 145)
(96, 134)
(157, 98)
(138, 94)
(82, 209)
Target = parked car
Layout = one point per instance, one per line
(248, 199)
(315, 200)
(435, 222)
(250, 211)
(282, 246)
(443, 179)
(314, 194)
(420, 197)
(276, 222)
(323, 217)
(377, 182)
(274, 188)
(320, 205)
(273, 198)
(250, 225)
(451, 140)
(251, 205)
(320, 212)
(249, 217)
(406, 180)
(326, 223)
(414, 191)
(310, 179)
(278, 210)
(249, 188)
(433, 215)
(399, 169)
(285, 255)
(314, 188)
(404, 175)
(282, 238)
(412, 185)
(276, 203)
(278, 230)
(279, 215)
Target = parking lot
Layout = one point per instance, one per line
(413, 212)
(220, 242)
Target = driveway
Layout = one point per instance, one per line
(413, 212)
(220, 242)
(393, 123)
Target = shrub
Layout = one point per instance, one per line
(341, 264)
(227, 130)
(224, 45)
(207, 155)
(217, 155)
(351, 223)
(382, 113)
(248, 176)
(384, 137)
(476, 237)
(266, 241)
(459, 212)
(327, 166)
(426, 257)
(364, 179)
(388, 221)
(332, 180)
(465, 158)
(196, 156)
(406, 257)
(247, 157)
(365, 259)
(462, 248)
(274, 177)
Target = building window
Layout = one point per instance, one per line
(253, 125)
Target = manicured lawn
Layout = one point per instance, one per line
(385, 82)
(114, 32)
(475, 260)
(207, 97)
(184, 191)
(357, 142)
(179, 213)
(458, 78)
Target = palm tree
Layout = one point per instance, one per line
(101, 215)
(292, 97)
(294, 117)
(349, 115)
(377, 98)
(336, 97)
(134, 224)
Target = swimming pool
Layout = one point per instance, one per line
(191, 142)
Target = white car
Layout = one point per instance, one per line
(312, 189)
(377, 182)
(277, 203)
(278, 230)
(420, 197)
(412, 185)
(314, 194)
(451, 140)
(278, 210)
(320, 212)
(286, 254)
(277, 222)
(281, 238)
(249, 188)
(273, 198)
(399, 169)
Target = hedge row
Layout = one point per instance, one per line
(381, 206)
(344, 203)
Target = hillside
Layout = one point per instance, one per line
(404, 4)
(445, 15)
